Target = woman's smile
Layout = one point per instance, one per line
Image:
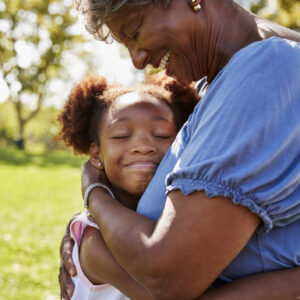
(165, 60)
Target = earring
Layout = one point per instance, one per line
(99, 163)
(195, 4)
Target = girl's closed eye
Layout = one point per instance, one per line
(120, 136)
(163, 136)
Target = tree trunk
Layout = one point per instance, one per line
(20, 141)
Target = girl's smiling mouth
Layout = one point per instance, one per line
(142, 165)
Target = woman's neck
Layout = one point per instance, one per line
(230, 28)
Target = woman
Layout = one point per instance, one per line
(232, 175)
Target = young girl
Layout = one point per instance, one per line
(126, 132)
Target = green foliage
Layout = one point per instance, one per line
(38, 194)
(286, 13)
(40, 133)
(44, 29)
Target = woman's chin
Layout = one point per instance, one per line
(183, 80)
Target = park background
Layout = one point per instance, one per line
(44, 51)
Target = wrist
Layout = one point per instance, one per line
(93, 186)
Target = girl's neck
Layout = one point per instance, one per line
(128, 200)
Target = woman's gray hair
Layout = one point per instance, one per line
(97, 12)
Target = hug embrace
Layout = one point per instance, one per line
(219, 217)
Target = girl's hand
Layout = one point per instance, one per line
(67, 267)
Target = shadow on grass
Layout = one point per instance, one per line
(11, 156)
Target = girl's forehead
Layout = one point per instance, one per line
(135, 104)
(132, 98)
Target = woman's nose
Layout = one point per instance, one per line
(138, 56)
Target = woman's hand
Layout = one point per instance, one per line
(90, 175)
(67, 267)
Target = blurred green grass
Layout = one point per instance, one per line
(38, 194)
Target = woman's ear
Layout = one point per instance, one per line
(95, 157)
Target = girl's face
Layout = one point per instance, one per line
(135, 133)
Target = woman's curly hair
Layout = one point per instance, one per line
(97, 12)
(88, 101)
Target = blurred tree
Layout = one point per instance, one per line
(284, 12)
(34, 35)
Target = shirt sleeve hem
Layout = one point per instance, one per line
(212, 189)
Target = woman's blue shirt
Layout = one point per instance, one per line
(243, 142)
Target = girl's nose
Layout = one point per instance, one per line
(143, 147)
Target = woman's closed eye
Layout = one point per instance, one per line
(133, 35)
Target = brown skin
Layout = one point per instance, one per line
(145, 249)
(102, 267)
(200, 44)
(135, 133)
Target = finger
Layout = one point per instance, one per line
(66, 284)
(66, 255)
(63, 292)
(67, 262)
(64, 296)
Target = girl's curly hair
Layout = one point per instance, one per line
(81, 114)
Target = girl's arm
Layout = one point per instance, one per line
(100, 266)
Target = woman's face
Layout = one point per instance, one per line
(135, 133)
(160, 37)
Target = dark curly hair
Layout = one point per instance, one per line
(81, 114)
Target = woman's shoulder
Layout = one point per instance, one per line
(264, 66)
(268, 53)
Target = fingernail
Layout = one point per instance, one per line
(69, 293)
(72, 273)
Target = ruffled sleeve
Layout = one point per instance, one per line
(245, 135)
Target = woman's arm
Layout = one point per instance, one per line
(276, 285)
(179, 256)
(67, 266)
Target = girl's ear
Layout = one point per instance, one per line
(95, 157)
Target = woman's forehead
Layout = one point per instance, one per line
(123, 17)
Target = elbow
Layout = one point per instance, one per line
(164, 289)
(166, 281)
